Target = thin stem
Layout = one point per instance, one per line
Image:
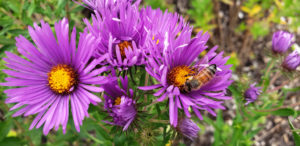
(159, 121)
(102, 126)
(131, 76)
(278, 87)
(145, 95)
(274, 109)
(68, 11)
(176, 140)
(163, 111)
(268, 70)
(154, 102)
(274, 78)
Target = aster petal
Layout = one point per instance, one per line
(164, 77)
(159, 92)
(186, 111)
(93, 98)
(92, 88)
(74, 114)
(198, 114)
(172, 110)
(163, 97)
(150, 87)
(36, 119)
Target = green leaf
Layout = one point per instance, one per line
(11, 141)
(295, 134)
(5, 127)
(259, 29)
(15, 6)
(5, 41)
(283, 112)
(18, 32)
(31, 8)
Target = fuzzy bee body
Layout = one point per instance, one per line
(195, 82)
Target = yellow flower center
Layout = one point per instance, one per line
(122, 46)
(178, 75)
(118, 101)
(62, 78)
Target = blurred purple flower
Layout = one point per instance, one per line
(122, 35)
(292, 61)
(175, 62)
(106, 6)
(281, 41)
(188, 128)
(53, 73)
(119, 103)
(252, 93)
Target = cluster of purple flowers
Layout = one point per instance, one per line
(281, 42)
(58, 70)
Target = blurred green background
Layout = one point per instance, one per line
(242, 28)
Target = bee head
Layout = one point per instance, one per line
(194, 84)
(191, 84)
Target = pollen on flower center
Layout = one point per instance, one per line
(124, 45)
(179, 74)
(118, 101)
(62, 78)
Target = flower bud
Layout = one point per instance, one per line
(292, 61)
(188, 128)
(252, 93)
(281, 41)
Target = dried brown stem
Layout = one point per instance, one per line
(68, 11)
(159, 121)
(102, 126)
(278, 87)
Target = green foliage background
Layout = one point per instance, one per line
(17, 15)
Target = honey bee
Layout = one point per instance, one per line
(196, 81)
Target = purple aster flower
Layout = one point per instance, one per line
(122, 36)
(119, 103)
(186, 80)
(54, 72)
(252, 93)
(188, 128)
(281, 41)
(292, 61)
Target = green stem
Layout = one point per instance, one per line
(95, 139)
(68, 11)
(283, 107)
(267, 74)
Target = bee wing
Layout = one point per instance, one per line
(203, 65)
(206, 65)
(219, 69)
(204, 62)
